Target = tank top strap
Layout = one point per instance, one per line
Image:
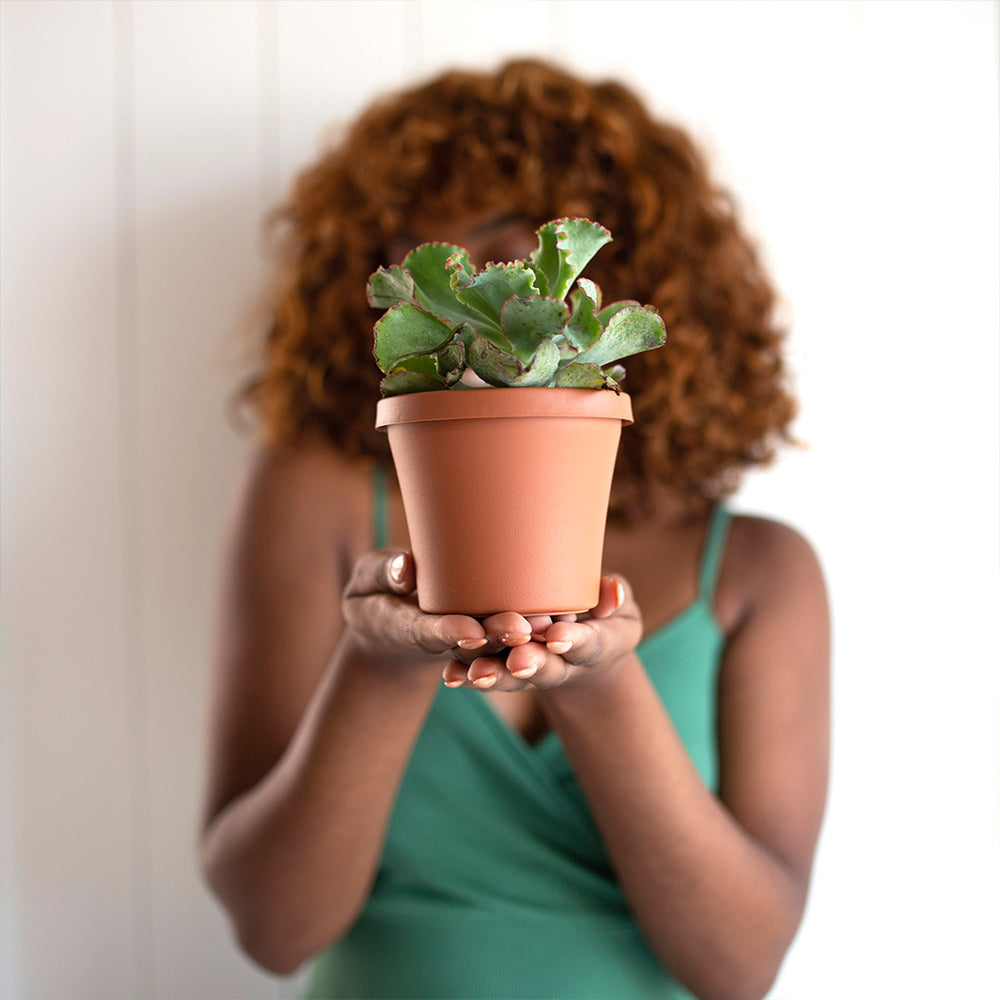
(380, 507)
(711, 557)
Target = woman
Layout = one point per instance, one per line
(626, 805)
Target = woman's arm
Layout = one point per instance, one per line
(717, 884)
(312, 722)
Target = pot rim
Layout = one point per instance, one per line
(494, 402)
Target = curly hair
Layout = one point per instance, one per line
(532, 137)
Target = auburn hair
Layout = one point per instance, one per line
(534, 139)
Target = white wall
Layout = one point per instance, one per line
(142, 142)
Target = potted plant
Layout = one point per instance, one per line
(506, 486)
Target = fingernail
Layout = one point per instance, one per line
(484, 682)
(619, 594)
(514, 638)
(397, 567)
(453, 684)
(559, 647)
(471, 643)
(526, 672)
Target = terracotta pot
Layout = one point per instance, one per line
(506, 494)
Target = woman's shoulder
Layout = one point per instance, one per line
(310, 462)
(771, 540)
(310, 469)
(766, 562)
(304, 490)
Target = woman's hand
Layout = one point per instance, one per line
(380, 607)
(542, 653)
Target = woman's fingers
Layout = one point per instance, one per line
(613, 629)
(537, 665)
(440, 633)
(611, 597)
(484, 673)
(539, 624)
(387, 571)
(541, 652)
(527, 665)
(379, 605)
(396, 622)
(508, 629)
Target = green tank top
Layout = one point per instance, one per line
(493, 881)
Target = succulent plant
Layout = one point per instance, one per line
(509, 323)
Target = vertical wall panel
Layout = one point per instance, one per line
(332, 58)
(480, 35)
(907, 373)
(9, 958)
(66, 639)
(197, 266)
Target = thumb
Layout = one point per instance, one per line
(612, 597)
(400, 573)
(389, 571)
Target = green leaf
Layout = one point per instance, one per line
(425, 364)
(630, 331)
(406, 330)
(432, 267)
(446, 365)
(467, 333)
(490, 288)
(399, 382)
(497, 367)
(389, 286)
(508, 322)
(605, 314)
(592, 290)
(541, 281)
(546, 259)
(581, 376)
(565, 247)
(584, 327)
(451, 359)
(526, 322)
(460, 269)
